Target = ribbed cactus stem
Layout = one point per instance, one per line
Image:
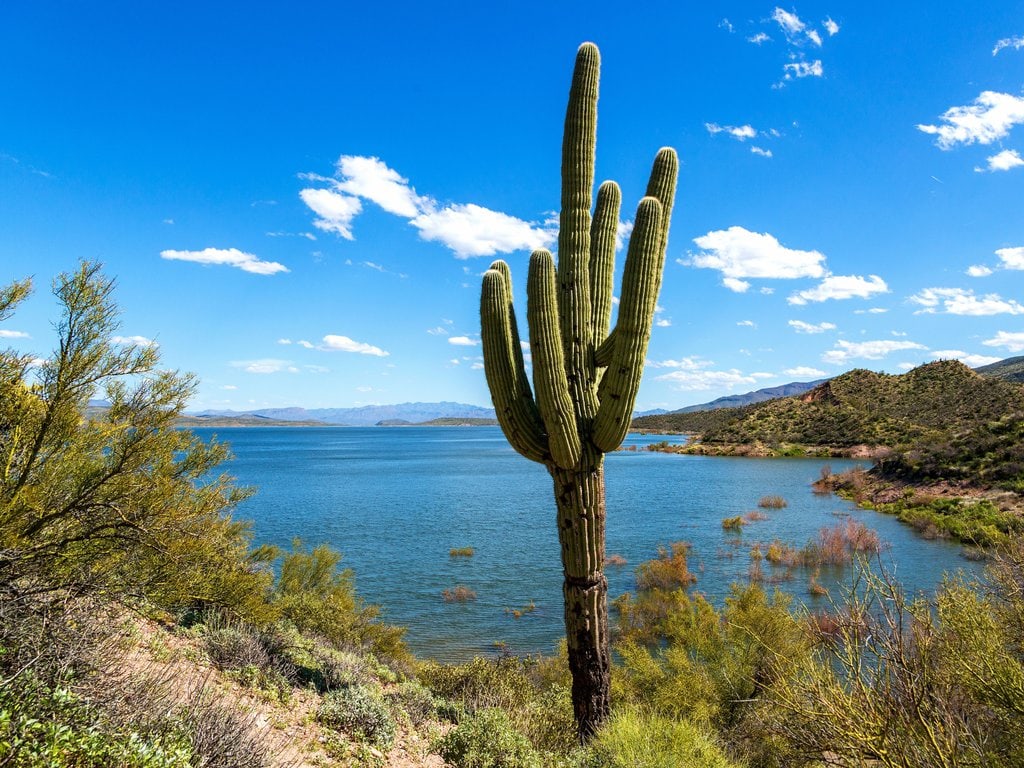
(578, 142)
(603, 231)
(549, 378)
(640, 281)
(513, 404)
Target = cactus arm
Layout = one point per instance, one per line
(506, 378)
(662, 185)
(604, 353)
(578, 144)
(549, 379)
(640, 282)
(602, 259)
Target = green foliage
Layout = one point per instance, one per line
(634, 738)
(361, 712)
(116, 501)
(487, 739)
(314, 594)
(44, 727)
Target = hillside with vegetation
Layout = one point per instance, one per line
(861, 408)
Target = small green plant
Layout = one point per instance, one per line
(461, 552)
(360, 712)
(487, 739)
(633, 738)
(734, 523)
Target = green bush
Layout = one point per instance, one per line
(412, 698)
(360, 712)
(633, 738)
(487, 739)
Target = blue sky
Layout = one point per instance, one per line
(298, 200)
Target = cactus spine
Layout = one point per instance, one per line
(585, 377)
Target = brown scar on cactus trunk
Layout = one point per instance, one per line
(585, 374)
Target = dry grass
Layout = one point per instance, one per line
(461, 552)
(772, 502)
(733, 523)
(615, 559)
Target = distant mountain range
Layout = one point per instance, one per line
(367, 415)
(749, 398)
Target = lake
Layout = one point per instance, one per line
(396, 500)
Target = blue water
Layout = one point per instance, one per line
(396, 500)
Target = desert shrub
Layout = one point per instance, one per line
(633, 738)
(772, 502)
(733, 523)
(669, 570)
(481, 683)
(461, 552)
(360, 712)
(414, 699)
(317, 596)
(487, 739)
(615, 559)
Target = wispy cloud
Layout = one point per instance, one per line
(231, 257)
(694, 374)
(801, 327)
(134, 341)
(5, 334)
(1008, 42)
(335, 343)
(844, 351)
(761, 152)
(1013, 341)
(988, 119)
(960, 301)
(760, 37)
(739, 253)
(840, 287)
(830, 26)
(463, 341)
(801, 69)
(804, 371)
(738, 132)
(265, 366)
(467, 229)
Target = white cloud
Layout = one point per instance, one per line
(622, 233)
(906, 366)
(845, 351)
(740, 253)
(979, 270)
(438, 331)
(476, 367)
(1003, 161)
(761, 152)
(735, 284)
(814, 37)
(1008, 42)
(136, 341)
(871, 311)
(699, 378)
(830, 26)
(231, 257)
(471, 230)
(762, 375)
(265, 365)
(371, 179)
(789, 22)
(284, 341)
(1012, 258)
(229, 387)
(958, 301)
(13, 334)
(967, 359)
(804, 370)
(335, 343)
(759, 38)
(467, 229)
(1013, 341)
(463, 341)
(747, 324)
(989, 119)
(738, 132)
(841, 287)
(663, 322)
(800, 69)
(801, 327)
(335, 211)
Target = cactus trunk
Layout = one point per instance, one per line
(579, 496)
(585, 377)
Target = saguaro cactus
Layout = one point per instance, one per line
(585, 378)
